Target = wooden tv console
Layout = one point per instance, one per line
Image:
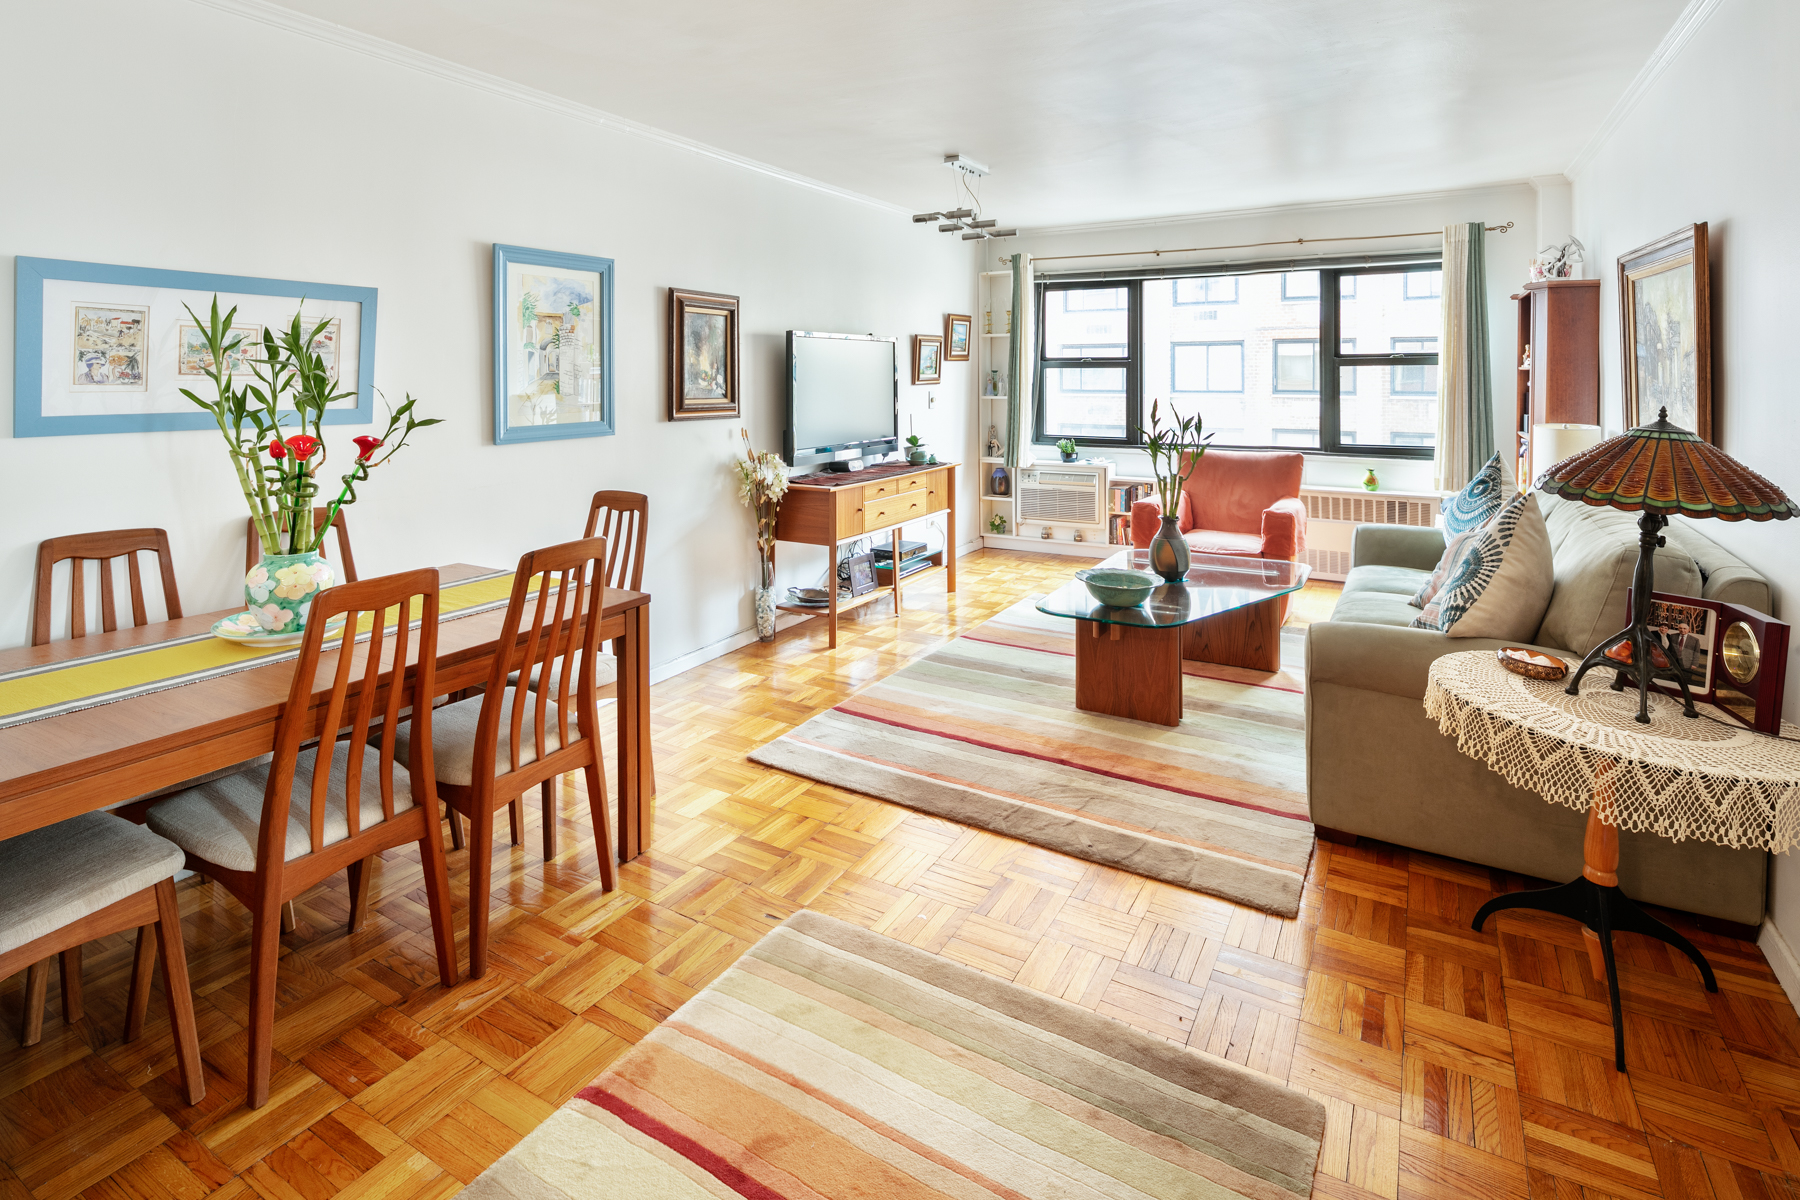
(825, 510)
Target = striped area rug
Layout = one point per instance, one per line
(833, 1062)
(985, 731)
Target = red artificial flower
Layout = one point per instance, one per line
(303, 445)
(277, 450)
(366, 447)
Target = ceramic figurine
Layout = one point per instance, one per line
(993, 442)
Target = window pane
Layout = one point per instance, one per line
(1086, 322)
(1208, 367)
(1297, 366)
(1347, 375)
(1300, 285)
(1214, 289)
(1216, 359)
(1084, 402)
(1394, 405)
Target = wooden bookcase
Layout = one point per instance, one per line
(1558, 378)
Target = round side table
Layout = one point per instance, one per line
(1676, 777)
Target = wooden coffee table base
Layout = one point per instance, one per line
(1128, 671)
(1247, 637)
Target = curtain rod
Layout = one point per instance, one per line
(1254, 245)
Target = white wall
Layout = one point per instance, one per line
(411, 178)
(1509, 254)
(1711, 140)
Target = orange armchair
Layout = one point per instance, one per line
(1236, 502)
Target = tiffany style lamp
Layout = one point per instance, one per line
(1659, 470)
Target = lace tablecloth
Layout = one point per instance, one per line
(1679, 777)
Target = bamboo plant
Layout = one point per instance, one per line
(281, 487)
(1174, 453)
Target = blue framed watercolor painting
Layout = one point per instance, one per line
(107, 349)
(553, 337)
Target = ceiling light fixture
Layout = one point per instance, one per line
(966, 220)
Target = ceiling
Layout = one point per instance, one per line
(1084, 111)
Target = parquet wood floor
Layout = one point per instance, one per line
(1451, 1064)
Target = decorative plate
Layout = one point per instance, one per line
(1531, 664)
(244, 630)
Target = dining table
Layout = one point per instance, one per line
(79, 746)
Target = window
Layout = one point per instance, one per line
(1246, 354)
(1414, 378)
(1424, 285)
(1206, 366)
(1088, 368)
(1296, 366)
(1207, 289)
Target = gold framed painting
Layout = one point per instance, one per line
(928, 358)
(1665, 320)
(958, 329)
(703, 355)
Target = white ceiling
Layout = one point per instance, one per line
(1085, 111)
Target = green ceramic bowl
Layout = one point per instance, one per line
(1118, 588)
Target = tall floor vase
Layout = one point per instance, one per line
(765, 598)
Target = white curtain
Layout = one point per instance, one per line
(1021, 371)
(1465, 436)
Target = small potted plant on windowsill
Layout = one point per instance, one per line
(1067, 448)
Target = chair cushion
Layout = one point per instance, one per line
(606, 670)
(453, 738)
(1478, 502)
(217, 822)
(1371, 607)
(1376, 577)
(1217, 541)
(61, 873)
(1502, 585)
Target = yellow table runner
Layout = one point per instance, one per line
(51, 689)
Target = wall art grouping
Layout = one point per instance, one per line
(101, 348)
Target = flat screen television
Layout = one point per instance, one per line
(843, 394)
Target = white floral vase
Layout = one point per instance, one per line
(280, 589)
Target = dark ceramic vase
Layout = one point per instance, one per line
(1169, 552)
(999, 482)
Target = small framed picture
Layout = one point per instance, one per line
(957, 327)
(703, 355)
(928, 358)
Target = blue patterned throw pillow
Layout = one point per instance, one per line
(1501, 586)
(1476, 504)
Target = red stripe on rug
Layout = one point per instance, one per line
(1064, 762)
(727, 1174)
(969, 637)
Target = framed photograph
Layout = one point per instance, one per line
(553, 343)
(703, 355)
(1732, 657)
(928, 358)
(958, 328)
(101, 348)
(1665, 316)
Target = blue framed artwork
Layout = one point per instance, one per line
(553, 332)
(107, 349)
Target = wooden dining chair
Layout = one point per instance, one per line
(103, 548)
(492, 748)
(253, 543)
(266, 845)
(82, 879)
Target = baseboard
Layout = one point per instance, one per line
(718, 649)
(1038, 545)
(1782, 960)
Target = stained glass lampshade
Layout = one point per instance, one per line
(1659, 470)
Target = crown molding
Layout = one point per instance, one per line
(345, 38)
(1268, 210)
(1680, 33)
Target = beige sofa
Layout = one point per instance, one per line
(1376, 767)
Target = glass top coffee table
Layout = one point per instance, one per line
(1228, 611)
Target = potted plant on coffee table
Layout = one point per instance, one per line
(1174, 454)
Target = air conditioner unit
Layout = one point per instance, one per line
(1061, 497)
(1332, 515)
